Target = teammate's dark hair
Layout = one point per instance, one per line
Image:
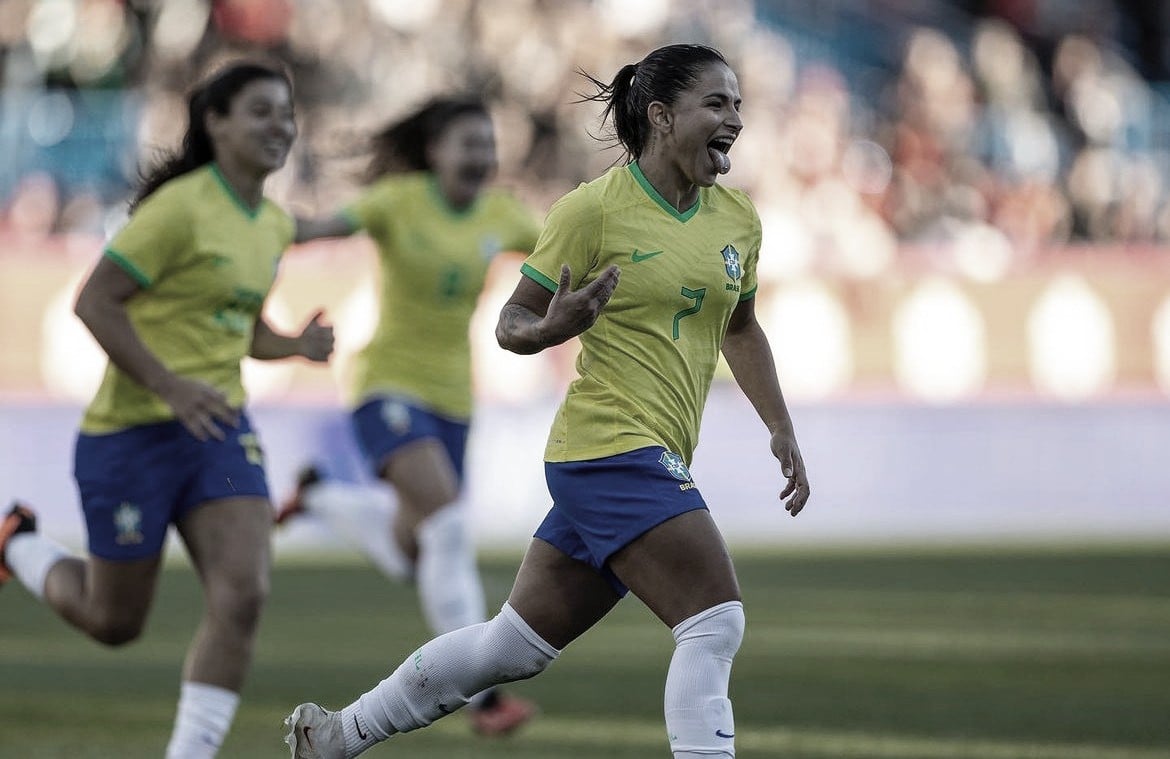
(402, 145)
(214, 94)
(660, 76)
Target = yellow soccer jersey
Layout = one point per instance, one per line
(205, 263)
(434, 260)
(646, 365)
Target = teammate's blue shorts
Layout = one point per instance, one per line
(385, 423)
(136, 482)
(600, 506)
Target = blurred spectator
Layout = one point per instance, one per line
(868, 124)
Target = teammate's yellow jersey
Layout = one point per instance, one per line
(646, 365)
(205, 262)
(434, 260)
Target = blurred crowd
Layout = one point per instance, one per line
(995, 132)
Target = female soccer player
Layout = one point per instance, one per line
(626, 513)
(176, 302)
(437, 226)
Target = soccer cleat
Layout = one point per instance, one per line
(295, 503)
(314, 733)
(20, 518)
(501, 714)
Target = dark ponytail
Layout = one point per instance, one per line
(215, 94)
(660, 76)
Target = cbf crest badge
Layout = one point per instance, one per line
(674, 464)
(731, 262)
(128, 521)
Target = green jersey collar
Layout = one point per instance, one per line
(657, 198)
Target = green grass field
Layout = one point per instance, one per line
(1041, 654)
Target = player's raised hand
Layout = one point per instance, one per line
(785, 450)
(571, 312)
(316, 340)
(199, 407)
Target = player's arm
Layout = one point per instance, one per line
(101, 306)
(315, 342)
(535, 318)
(746, 348)
(338, 225)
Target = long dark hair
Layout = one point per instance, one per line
(402, 145)
(214, 94)
(660, 76)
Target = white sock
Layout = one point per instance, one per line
(30, 556)
(205, 714)
(363, 515)
(699, 721)
(449, 587)
(445, 673)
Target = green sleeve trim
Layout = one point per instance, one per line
(548, 284)
(128, 266)
(749, 294)
(352, 218)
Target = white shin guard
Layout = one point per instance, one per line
(449, 587)
(699, 721)
(446, 672)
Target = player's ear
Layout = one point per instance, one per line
(659, 116)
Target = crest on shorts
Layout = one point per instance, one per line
(731, 262)
(128, 523)
(674, 464)
(396, 416)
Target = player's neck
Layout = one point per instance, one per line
(248, 186)
(668, 180)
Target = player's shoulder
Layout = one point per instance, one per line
(608, 192)
(730, 200)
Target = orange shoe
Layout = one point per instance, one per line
(20, 518)
(295, 504)
(501, 714)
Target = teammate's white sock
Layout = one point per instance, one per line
(204, 717)
(449, 587)
(30, 556)
(363, 515)
(699, 721)
(441, 677)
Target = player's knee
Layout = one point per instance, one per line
(115, 631)
(446, 532)
(717, 631)
(238, 605)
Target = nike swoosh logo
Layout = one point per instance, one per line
(642, 256)
(722, 734)
(356, 724)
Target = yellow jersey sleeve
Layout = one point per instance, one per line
(572, 235)
(155, 241)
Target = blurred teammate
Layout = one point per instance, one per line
(176, 302)
(626, 513)
(437, 227)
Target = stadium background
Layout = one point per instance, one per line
(965, 268)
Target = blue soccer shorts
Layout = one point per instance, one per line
(136, 482)
(602, 505)
(386, 423)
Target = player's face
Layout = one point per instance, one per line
(705, 124)
(463, 157)
(258, 130)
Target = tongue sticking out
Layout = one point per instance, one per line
(721, 161)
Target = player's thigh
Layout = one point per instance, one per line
(121, 592)
(229, 541)
(678, 568)
(422, 475)
(559, 597)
